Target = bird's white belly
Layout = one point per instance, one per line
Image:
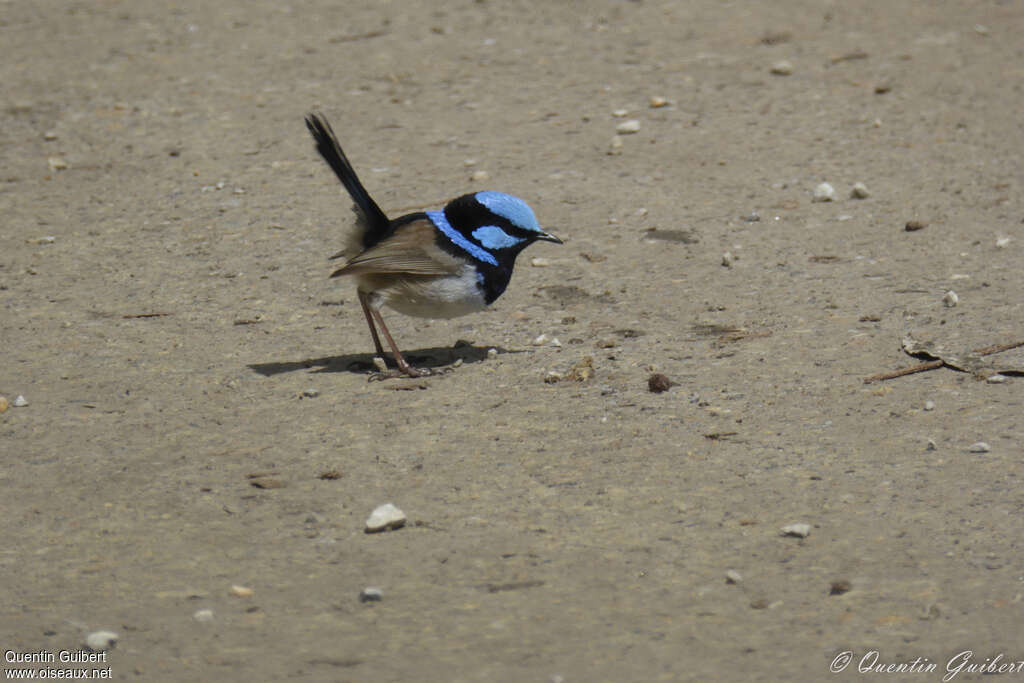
(443, 297)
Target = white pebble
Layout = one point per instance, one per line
(929, 405)
(371, 595)
(931, 445)
(380, 364)
(996, 379)
(310, 393)
(19, 401)
(1002, 242)
(657, 102)
(50, 135)
(540, 262)
(385, 517)
(979, 447)
(782, 68)
(727, 259)
(540, 340)
(492, 354)
(479, 176)
(950, 299)
(203, 616)
(733, 576)
(799, 530)
(100, 641)
(556, 343)
(824, 193)
(620, 113)
(57, 164)
(242, 591)
(860, 191)
(628, 127)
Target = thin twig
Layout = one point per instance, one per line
(932, 364)
(998, 348)
(920, 367)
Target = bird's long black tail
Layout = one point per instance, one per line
(327, 144)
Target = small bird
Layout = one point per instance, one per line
(432, 264)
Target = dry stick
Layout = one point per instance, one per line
(932, 364)
(921, 367)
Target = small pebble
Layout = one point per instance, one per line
(859, 191)
(752, 217)
(727, 259)
(57, 164)
(657, 102)
(458, 363)
(782, 68)
(492, 354)
(931, 445)
(929, 405)
(241, 591)
(48, 239)
(839, 587)
(540, 262)
(203, 616)
(620, 113)
(628, 127)
(658, 383)
(310, 393)
(615, 146)
(553, 377)
(1002, 242)
(100, 641)
(540, 340)
(798, 530)
(996, 379)
(950, 299)
(20, 401)
(556, 343)
(380, 364)
(824, 193)
(385, 517)
(371, 595)
(479, 176)
(50, 135)
(733, 576)
(979, 447)
(4, 404)
(914, 226)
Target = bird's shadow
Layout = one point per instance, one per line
(362, 363)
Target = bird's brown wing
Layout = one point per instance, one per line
(411, 250)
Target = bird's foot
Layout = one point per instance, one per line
(405, 370)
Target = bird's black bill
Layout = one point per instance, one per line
(548, 237)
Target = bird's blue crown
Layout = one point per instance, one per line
(490, 227)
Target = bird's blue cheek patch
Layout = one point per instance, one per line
(493, 237)
(441, 221)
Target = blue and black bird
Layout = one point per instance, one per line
(433, 264)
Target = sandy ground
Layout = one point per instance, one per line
(165, 305)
